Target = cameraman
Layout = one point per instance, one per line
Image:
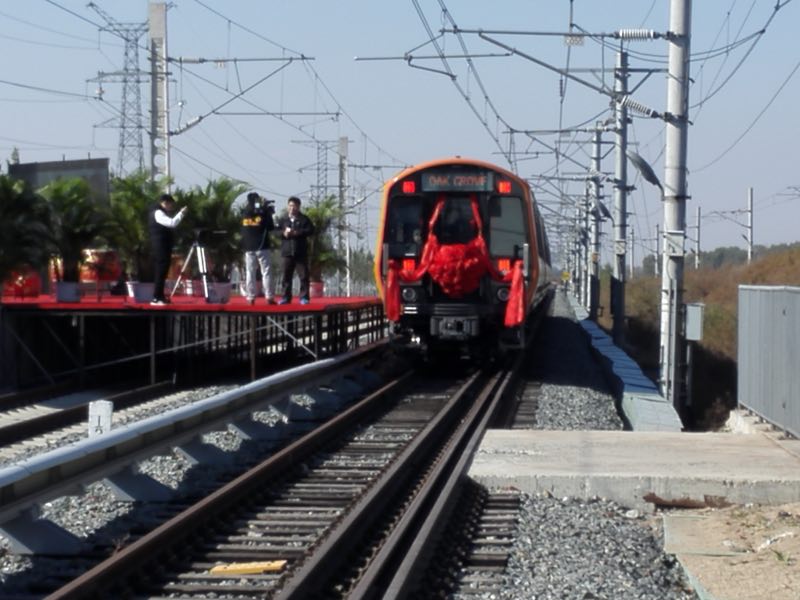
(257, 222)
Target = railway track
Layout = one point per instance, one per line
(338, 511)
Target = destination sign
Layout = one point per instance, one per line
(457, 181)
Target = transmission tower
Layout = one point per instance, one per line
(130, 155)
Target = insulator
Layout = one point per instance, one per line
(636, 34)
(628, 102)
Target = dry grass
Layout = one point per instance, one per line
(715, 356)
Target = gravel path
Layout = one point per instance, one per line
(567, 548)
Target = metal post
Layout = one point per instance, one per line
(749, 225)
(657, 263)
(697, 241)
(594, 182)
(586, 251)
(576, 254)
(620, 198)
(632, 261)
(252, 347)
(82, 350)
(343, 237)
(677, 123)
(152, 349)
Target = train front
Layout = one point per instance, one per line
(456, 256)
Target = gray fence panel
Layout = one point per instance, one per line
(769, 354)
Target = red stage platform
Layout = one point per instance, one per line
(43, 340)
(236, 304)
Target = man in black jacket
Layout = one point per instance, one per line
(162, 220)
(256, 224)
(295, 229)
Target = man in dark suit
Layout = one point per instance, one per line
(162, 220)
(295, 229)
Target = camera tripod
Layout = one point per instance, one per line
(199, 251)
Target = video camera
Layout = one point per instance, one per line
(203, 235)
(268, 205)
(259, 202)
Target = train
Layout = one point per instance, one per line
(462, 260)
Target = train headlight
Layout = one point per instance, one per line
(502, 294)
(409, 294)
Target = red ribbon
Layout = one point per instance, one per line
(457, 269)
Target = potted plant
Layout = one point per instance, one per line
(77, 222)
(23, 225)
(323, 257)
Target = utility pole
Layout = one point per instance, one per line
(130, 154)
(159, 93)
(587, 254)
(620, 197)
(596, 193)
(343, 235)
(677, 124)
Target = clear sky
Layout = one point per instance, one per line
(744, 97)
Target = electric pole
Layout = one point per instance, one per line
(159, 93)
(677, 127)
(596, 193)
(343, 235)
(620, 197)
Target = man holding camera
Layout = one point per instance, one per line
(257, 222)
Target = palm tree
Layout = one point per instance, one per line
(322, 253)
(131, 199)
(213, 220)
(23, 228)
(77, 222)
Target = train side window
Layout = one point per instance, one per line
(506, 226)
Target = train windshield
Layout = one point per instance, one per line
(456, 223)
(507, 226)
(405, 221)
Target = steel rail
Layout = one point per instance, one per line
(310, 578)
(95, 582)
(416, 555)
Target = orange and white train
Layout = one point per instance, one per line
(462, 256)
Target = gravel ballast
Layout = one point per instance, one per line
(564, 548)
(579, 549)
